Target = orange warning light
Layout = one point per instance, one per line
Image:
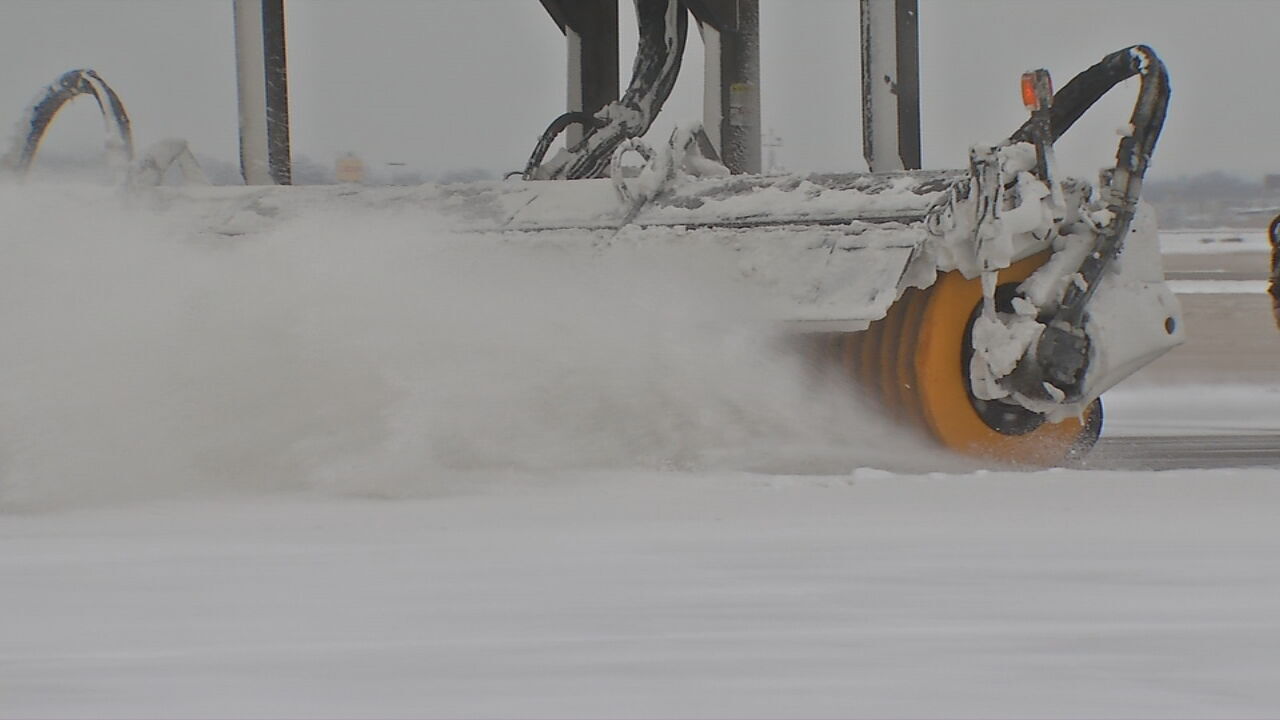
(1029, 98)
(1030, 81)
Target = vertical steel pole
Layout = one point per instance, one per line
(730, 32)
(263, 92)
(740, 78)
(593, 61)
(890, 84)
(907, 32)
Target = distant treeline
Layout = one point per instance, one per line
(1211, 199)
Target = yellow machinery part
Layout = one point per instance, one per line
(911, 360)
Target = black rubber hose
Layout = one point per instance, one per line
(1063, 349)
(553, 131)
(1132, 158)
(71, 84)
(664, 28)
(1076, 97)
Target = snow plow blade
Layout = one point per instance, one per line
(989, 306)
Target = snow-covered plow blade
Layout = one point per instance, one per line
(990, 306)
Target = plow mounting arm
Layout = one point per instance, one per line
(1061, 355)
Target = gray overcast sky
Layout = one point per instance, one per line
(442, 84)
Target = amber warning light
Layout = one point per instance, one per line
(1030, 86)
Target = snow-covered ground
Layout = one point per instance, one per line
(351, 468)
(645, 593)
(1183, 409)
(1213, 242)
(1207, 287)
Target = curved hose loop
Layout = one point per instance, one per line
(1062, 351)
(664, 27)
(633, 196)
(119, 142)
(1124, 181)
(1076, 97)
(553, 131)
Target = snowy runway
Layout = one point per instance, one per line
(1057, 593)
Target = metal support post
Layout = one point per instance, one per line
(890, 85)
(730, 32)
(263, 92)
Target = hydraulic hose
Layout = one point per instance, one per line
(664, 28)
(1062, 352)
(1132, 158)
(41, 113)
